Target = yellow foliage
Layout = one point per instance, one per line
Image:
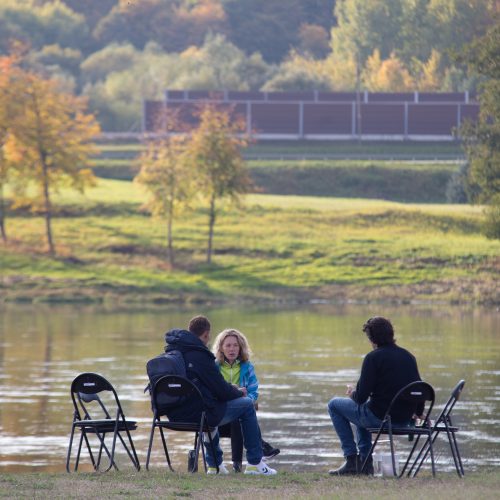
(430, 78)
(341, 72)
(388, 75)
(49, 140)
(165, 176)
(12, 151)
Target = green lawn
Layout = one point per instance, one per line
(272, 248)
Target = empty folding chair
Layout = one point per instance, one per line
(171, 392)
(443, 424)
(85, 390)
(412, 395)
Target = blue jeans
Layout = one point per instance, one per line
(343, 412)
(242, 409)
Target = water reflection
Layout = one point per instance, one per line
(303, 358)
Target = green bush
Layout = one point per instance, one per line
(492, 220)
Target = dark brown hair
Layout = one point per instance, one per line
(379, 330)
(199, 325)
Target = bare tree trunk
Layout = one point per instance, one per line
(48, 210)
(2, 215)
(169, 235)
(211, 223)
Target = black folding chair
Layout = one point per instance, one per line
(412, 395)
(171, 392)
(85, 390)
(443, 423)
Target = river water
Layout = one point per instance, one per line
(303, 357)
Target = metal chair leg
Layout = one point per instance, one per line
(401, 474)
(370, 453)
(68, 456)
(164, 441)
(89, 449)
(150, 446)
(458, 455)
(432, 454)
(391, 442)
(133, 458)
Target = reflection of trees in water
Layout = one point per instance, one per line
(2, 368)
(44, 387)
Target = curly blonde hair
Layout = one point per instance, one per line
(245, 351)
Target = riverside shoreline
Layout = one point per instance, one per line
(451, 292)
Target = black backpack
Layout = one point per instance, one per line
(168, 363)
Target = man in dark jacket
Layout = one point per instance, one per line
(223, 402)
(385, 370)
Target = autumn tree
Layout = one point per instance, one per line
(482, 139)
(389, 75)
(299, 73)
(430, 76)
(51, 142)
(214, 151)
(173, 24)
(5, 115)
(168, 179)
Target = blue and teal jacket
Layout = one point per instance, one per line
(248, 379)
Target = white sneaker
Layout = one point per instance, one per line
(260, 469)
(222, 469)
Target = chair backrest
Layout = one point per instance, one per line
(171, 391)
(85, 389)
(413, 394)
(450, 404)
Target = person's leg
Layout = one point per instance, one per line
(366, 419)
(236, 443)
(211, 460)
(268, 450)
(244, 410)
(225, 431)
(343, 411)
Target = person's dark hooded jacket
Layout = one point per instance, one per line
(204, 373)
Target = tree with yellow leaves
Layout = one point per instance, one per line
(6, 64)
(430, 76)
(214, 151)
(388, 75)
(50, 142)
(168, 179)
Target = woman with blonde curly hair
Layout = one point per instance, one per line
(232, 354)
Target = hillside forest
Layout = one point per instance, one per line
(118, 52)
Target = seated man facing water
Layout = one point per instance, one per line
(224, 402)
(385, 370)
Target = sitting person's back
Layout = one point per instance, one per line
(223, 402)
(386, 370)
(202, 371)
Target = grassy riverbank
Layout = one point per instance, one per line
(406, 171)
(157, 484)
(275, 248)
